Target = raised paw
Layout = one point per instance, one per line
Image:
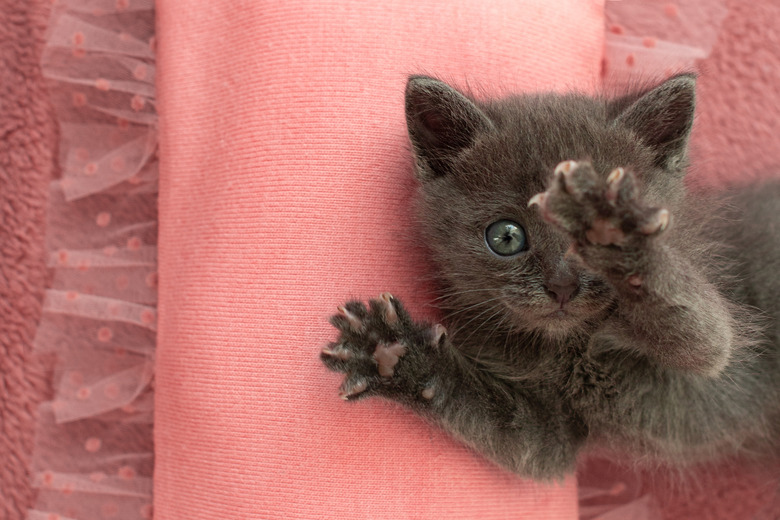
(381, 350)
(599, 212)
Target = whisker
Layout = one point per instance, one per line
(465, 326)
(445, 295)
(498, 309)
(472, 306)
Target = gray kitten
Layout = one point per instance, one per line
(591, 302)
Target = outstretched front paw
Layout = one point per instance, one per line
(381, 350)
(597, 212)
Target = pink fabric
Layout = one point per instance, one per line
(735, 141)
(733, 45)
(285, 188)
(27, 141)
(658, 38)
(739, 95)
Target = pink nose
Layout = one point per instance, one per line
(562, 293)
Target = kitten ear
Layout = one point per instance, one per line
(442, 122)
(663, 117)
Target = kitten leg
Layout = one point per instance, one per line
(384, 353)
(667, 307)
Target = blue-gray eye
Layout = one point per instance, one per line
(505, 238)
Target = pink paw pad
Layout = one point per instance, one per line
(635, 280)
(428, 393)
(603, 232)
(387, 357)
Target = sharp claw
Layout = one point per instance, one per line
(613, 183)
(657, 224)
(354, 321)
(350, 389)
(616, 175)
(663, 218)
(538, 200)
(438, 331)
(564, 168)
(339, 353)
(391, 316)
(563, 173)
(571, 252)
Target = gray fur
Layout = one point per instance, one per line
(680, 370)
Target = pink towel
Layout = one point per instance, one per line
(734, 141)
(27, 141)
(285, 188)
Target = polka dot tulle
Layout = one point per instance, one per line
(657, 38)
(93, 457)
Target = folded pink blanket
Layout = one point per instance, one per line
(286, 188)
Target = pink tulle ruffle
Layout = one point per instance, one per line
(93, 457)
(652, 39)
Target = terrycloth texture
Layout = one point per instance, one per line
(736, 140)
(285, 188)
(738, 91)
(27, 138)
(739, 94)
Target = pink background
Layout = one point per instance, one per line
(735, 139)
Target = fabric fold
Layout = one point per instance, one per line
(286, 188)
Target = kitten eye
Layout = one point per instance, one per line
(505, 238)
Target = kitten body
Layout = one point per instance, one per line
(617, 312)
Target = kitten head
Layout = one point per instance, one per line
(479, 163)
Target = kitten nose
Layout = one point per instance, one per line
(563, 282)
(562, 292)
